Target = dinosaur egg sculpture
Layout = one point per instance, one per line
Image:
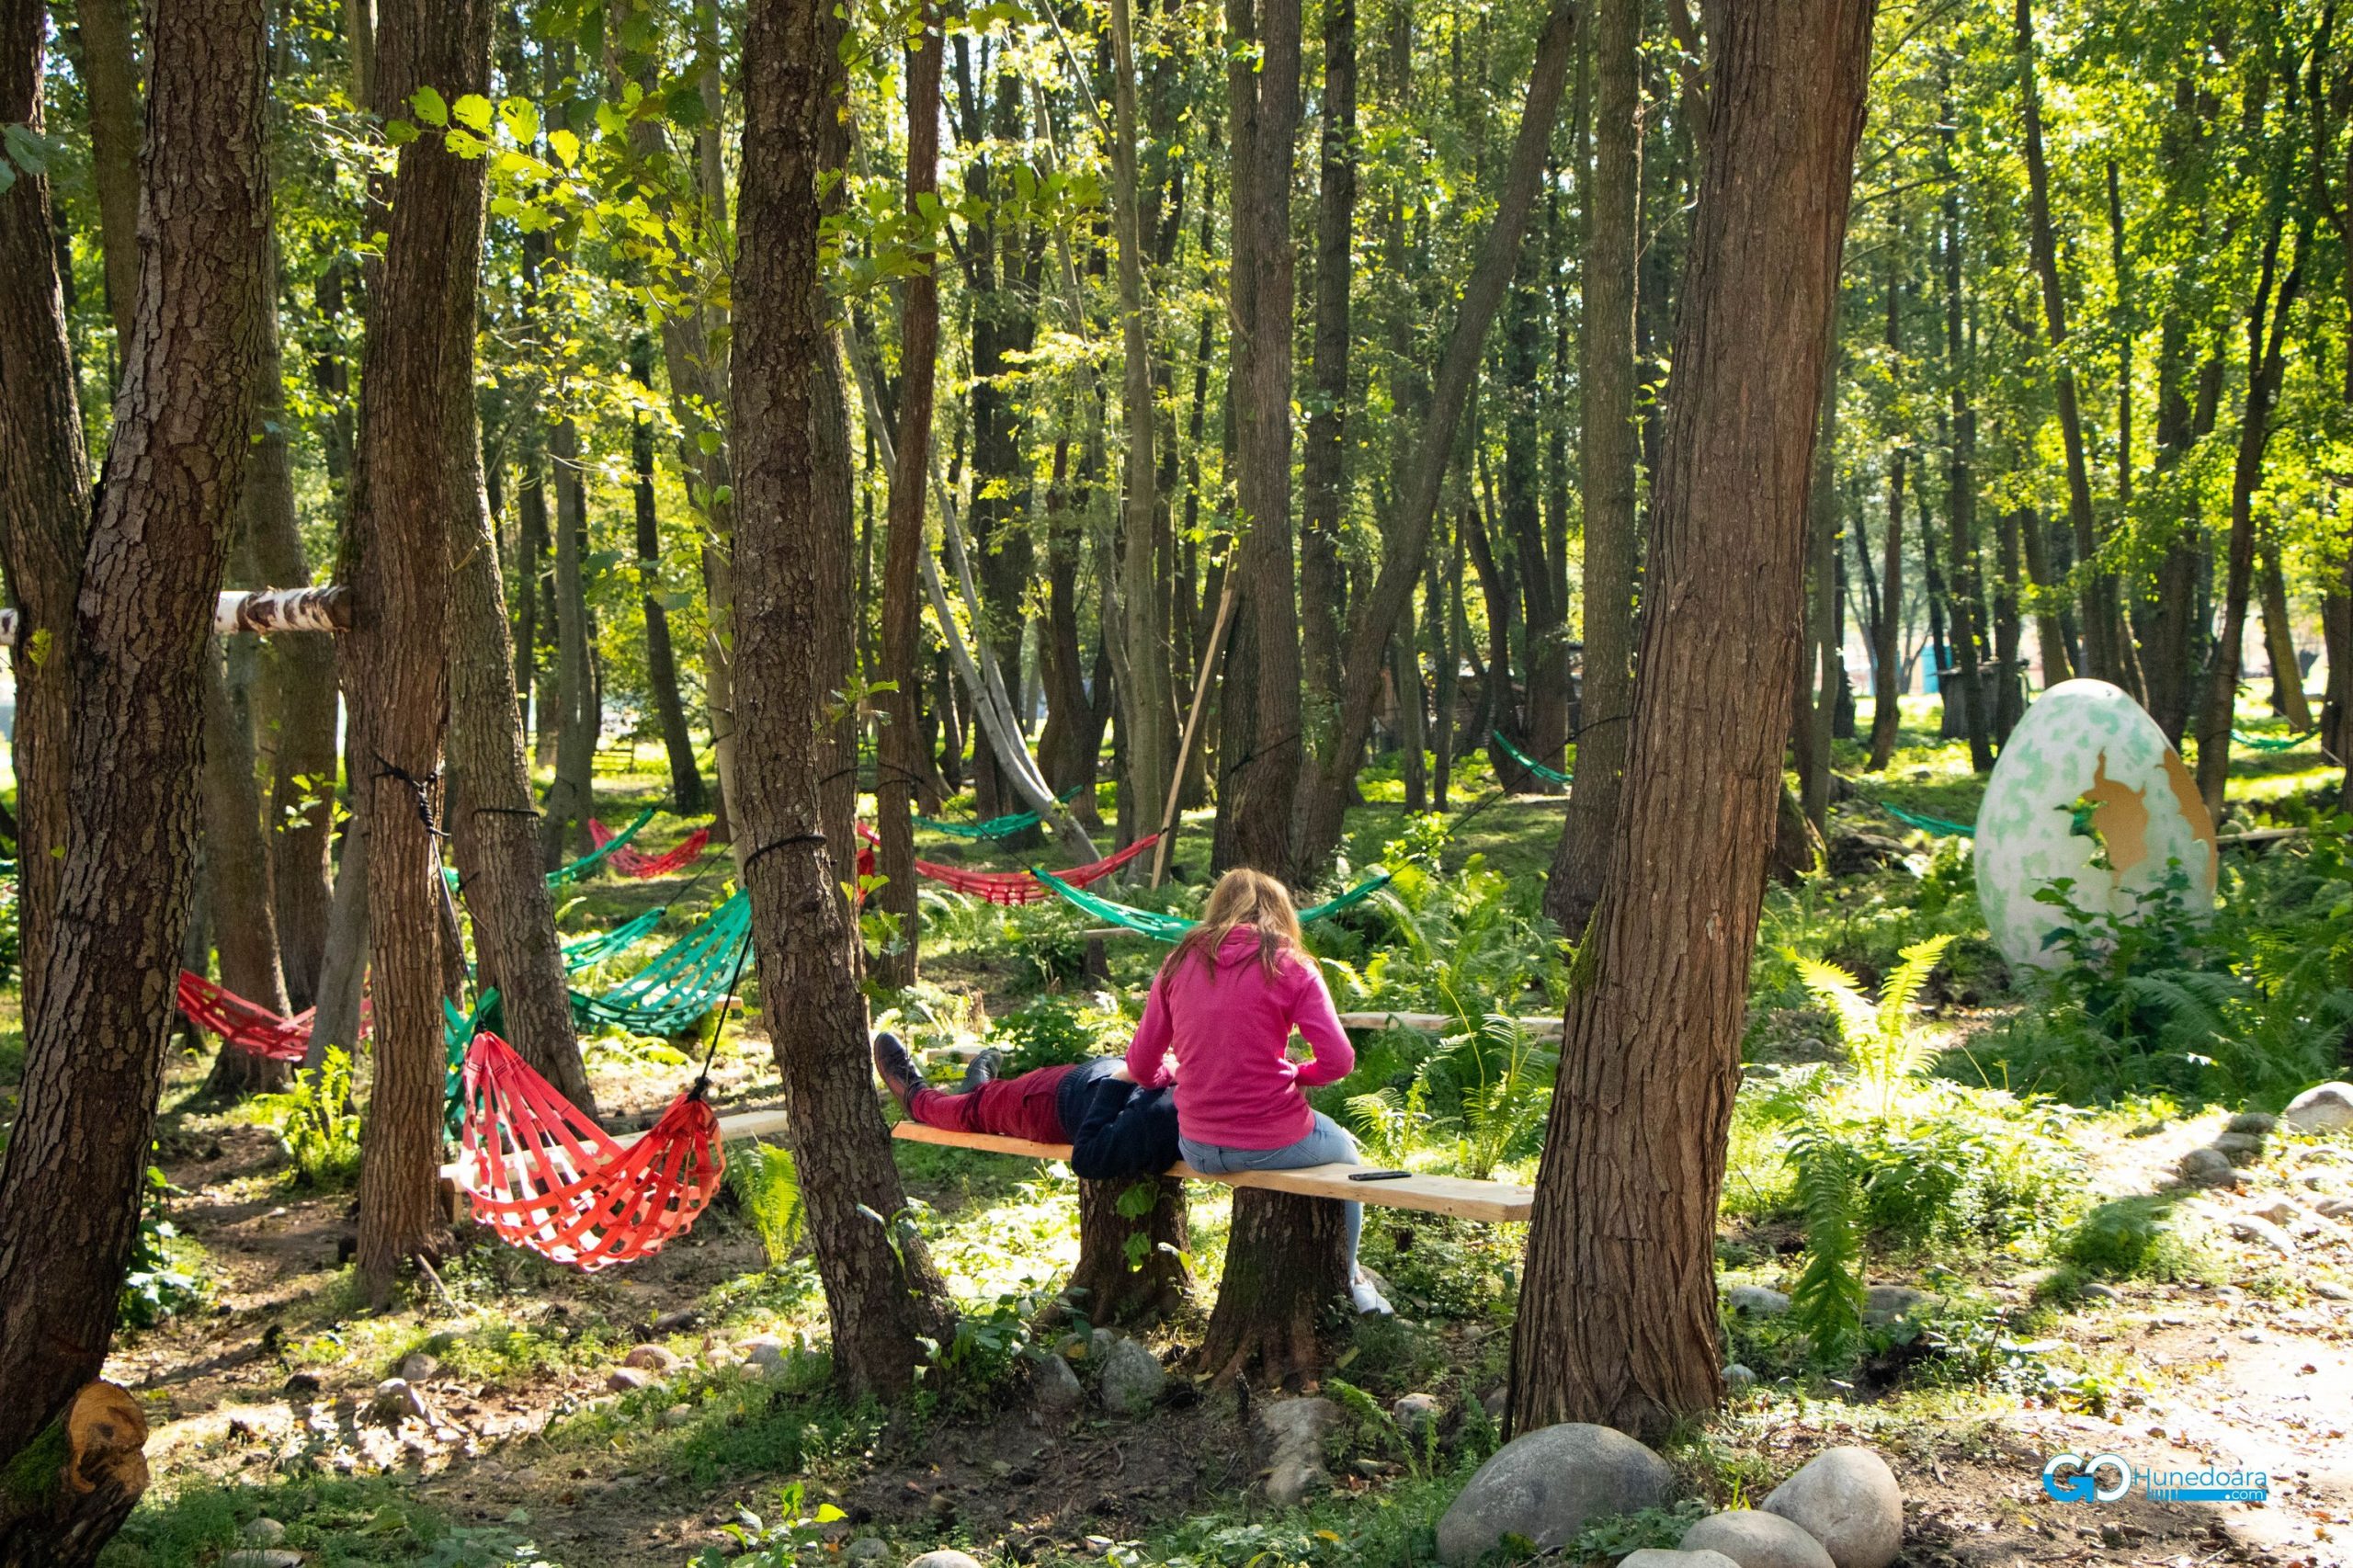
(2088, 791)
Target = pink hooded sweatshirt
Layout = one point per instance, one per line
(1236, 1087)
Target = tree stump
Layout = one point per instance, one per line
(66, 1494)
(1286, 1266)
(1130, 1264)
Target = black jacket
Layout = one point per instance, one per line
(1115, 1129)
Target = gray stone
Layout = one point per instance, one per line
(1417, 1411)
(395, 1401)
(2096, 1291)
(765, 1351)
(867, 1549)
(263, 1557)
(2263, 1232)
(1099, 1343)
(626, 1380)
(1054, 1386)
(1131, 1378)
(2239, 1148)
(1753, 1539)
(2205, 1167)
(2331, 1292)
(2252, 1122)
(1494, 1401)
(654, 1359)
(1739, 1378)
(1883, 1304)
(1755, 1300)
(1848, 1500)
(2335, 1208)
(1549, 1483)
(2324, 1108)
(1661, 1557)
(1293, 1431)
(678, 1416)
(2282, 1213)
(263, 1532)
(946, 1557)
(417, 1366)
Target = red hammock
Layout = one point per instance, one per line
(632, 861)
(249, 1026)
(549, 1180)
(1009, 888)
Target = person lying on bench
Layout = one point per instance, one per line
(1224, 1003)
(1113, 1128)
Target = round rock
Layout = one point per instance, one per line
(1054, 1386)
(263, 1532)
(945, 1557)
(1755, 1300)
(867, 1549)
(653, 1358)
(1753, 1539)
(2205, 1166)
(1660, 1557)
(2324, 1108)
(1848, 1500)
(1131, 1378)
(1548, 1485)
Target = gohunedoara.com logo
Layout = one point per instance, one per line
(2104, 1478)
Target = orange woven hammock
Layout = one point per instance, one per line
(250, 1026)
(1009, 888)
(631, 861)
(550, 1181)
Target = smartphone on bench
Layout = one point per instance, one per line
(1378, 1175)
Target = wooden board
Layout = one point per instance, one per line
(1489, 1200)
(1440, 1023)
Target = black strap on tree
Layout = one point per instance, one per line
(422, 791)
(718, 1030)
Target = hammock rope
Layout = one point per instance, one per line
(1936, 827)
(1550, 775)
(995, 827)
(250, 1026)
(2274, 742)
(683, 983)
(605, 850)
(641, 867)
(1172, 927)
(1007, 888)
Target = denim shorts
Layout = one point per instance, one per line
(1326, 1143)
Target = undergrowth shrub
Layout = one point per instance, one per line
(316, 1123)
(156, 1286)
(767, 1187)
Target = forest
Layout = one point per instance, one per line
(661, 649)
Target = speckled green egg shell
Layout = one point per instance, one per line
(2080, 737)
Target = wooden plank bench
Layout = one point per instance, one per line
(1465, 1199)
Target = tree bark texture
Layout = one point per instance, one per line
(1323, 477)
(111, 81)
(792, 575)
(899, 755)
(564, 833)
(1286, 1275)
(661, 652)
(1612, 449)
(1960, 491)
(1617, 1315)
(44, 504)
(1105, 1287)
(417, 426)
(72, 1180)
(1887, 641)
(237, 868)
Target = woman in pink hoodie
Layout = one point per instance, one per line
(1224, 1005)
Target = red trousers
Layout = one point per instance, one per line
(1024, 1107)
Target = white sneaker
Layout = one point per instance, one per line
(1369, 1302)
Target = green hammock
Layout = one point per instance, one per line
(2274, 742)
(598, 947)
(687, 979)
(458, 1031)
(1939, 827)
(995, 827)
(1550, 775)
(586, 864)
(1172, 927)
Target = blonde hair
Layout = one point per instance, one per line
(1243, 899)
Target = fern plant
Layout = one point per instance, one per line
(1827, 1300)
(315, 1122)
(1483, 1096)
(1886, 1051)
(766, 1185)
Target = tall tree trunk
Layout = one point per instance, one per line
(1108, 1285)
(1887, 632)
(2267, 325)
(343, 968)
(1323, 469)
(417, 427)
(1617, 1315)
(72, 1179)
(300, 671)
(792, 561)
(1262, 78)
(1961, 492)
(2103, 622)
(110, 68)
(1605, 377)
(2008, 705)
(564, 833)
(900, 758)
(1147, 707)
(1815, 694)
(661, 657)
(496, 830)
(1374, 614)
(530, 557)
(236, 867)
(2279, 636)
(44, 507)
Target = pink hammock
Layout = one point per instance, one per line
(250, 1026)
(550, 1181)
(632, 861)
(1010, 888)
